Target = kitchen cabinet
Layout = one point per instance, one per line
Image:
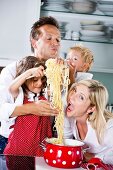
(73, 30)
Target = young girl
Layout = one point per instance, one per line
(88, 120)
(30, 130)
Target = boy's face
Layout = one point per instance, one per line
(75, 60)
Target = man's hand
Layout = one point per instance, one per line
(41, 108)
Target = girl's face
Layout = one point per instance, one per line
(74, 58)
(35, 84)
(78, 104)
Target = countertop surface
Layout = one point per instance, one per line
(11, 162)
(26, 163)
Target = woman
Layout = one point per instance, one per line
(88, 120)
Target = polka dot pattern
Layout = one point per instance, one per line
(73, 163)
(63, 156)
(64, 163)
(78, 152)
(69, 152)
(29, 132)
(51, 150)
(54, 162)
(59, 153)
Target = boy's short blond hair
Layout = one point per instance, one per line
(86, 54)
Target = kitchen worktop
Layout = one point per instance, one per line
(32, 163)
(26, 163)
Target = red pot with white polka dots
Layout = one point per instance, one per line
(69, 155)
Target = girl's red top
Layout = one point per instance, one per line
(29, 131)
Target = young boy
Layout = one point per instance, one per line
(80, 60)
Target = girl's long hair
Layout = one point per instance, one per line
(27, 63)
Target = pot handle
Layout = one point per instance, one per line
(85, 149)
(43, 145)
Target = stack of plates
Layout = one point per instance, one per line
(54, 5)
(106, 6)
(63, 29)
(92, 31)
(83, 6)
(94, 27)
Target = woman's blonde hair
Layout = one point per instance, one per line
(86, 54)
(99, 98)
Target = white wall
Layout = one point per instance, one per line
(16, 19)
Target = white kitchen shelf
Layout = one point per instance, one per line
(102, 50)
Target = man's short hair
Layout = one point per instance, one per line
(42, 21)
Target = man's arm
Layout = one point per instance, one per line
(10, 109)
(7, 104)
(41, 108)
(7, 75)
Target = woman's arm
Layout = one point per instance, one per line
(18, 81)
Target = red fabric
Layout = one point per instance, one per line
(20, 162)
(29, 132)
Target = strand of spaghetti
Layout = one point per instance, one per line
(57, 77)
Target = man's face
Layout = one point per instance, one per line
(48, 44)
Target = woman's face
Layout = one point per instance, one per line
(35, 84)
(78, 104)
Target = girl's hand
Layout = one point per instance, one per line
(36, 72)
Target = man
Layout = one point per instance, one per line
(45, 43)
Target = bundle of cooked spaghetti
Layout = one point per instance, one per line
(57, 81)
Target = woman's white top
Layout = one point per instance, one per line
(104, 150)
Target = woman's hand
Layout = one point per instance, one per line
(88, 156)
